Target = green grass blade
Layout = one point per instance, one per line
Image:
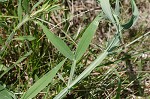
(57, 42)
(134, 17)
(107, 9)
(62, 93)
(20, 10)
(28, 37)
(4, 94)
(53, 8)
(42, 82)
(36, 5)
(119, 89)
(87, 37)
(72, 72)
(25, 4)
(117, 8)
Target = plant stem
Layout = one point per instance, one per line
(72, 72)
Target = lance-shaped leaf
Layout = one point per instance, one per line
(135, 15)
(20, 10)
(87, 37)
(4, 93)
(42, 82)
(107, 9)
(25, 4)
(37, 4)
(57, 42)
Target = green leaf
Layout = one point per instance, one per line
(20, 10)
(53, 8)
(107, 9)
(42, 82)
(3, 67)
(36, 5)
(57, 42)
(119, 89)
(1, 40)
(87, 37)
(28, 37)
(4, 94)
(134, 17)
(25, 4)
(117, 8)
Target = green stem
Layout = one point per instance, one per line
(35, 13)
(72, 72)
(89, 69)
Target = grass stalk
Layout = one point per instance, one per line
(137, 39)
(72, 72)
